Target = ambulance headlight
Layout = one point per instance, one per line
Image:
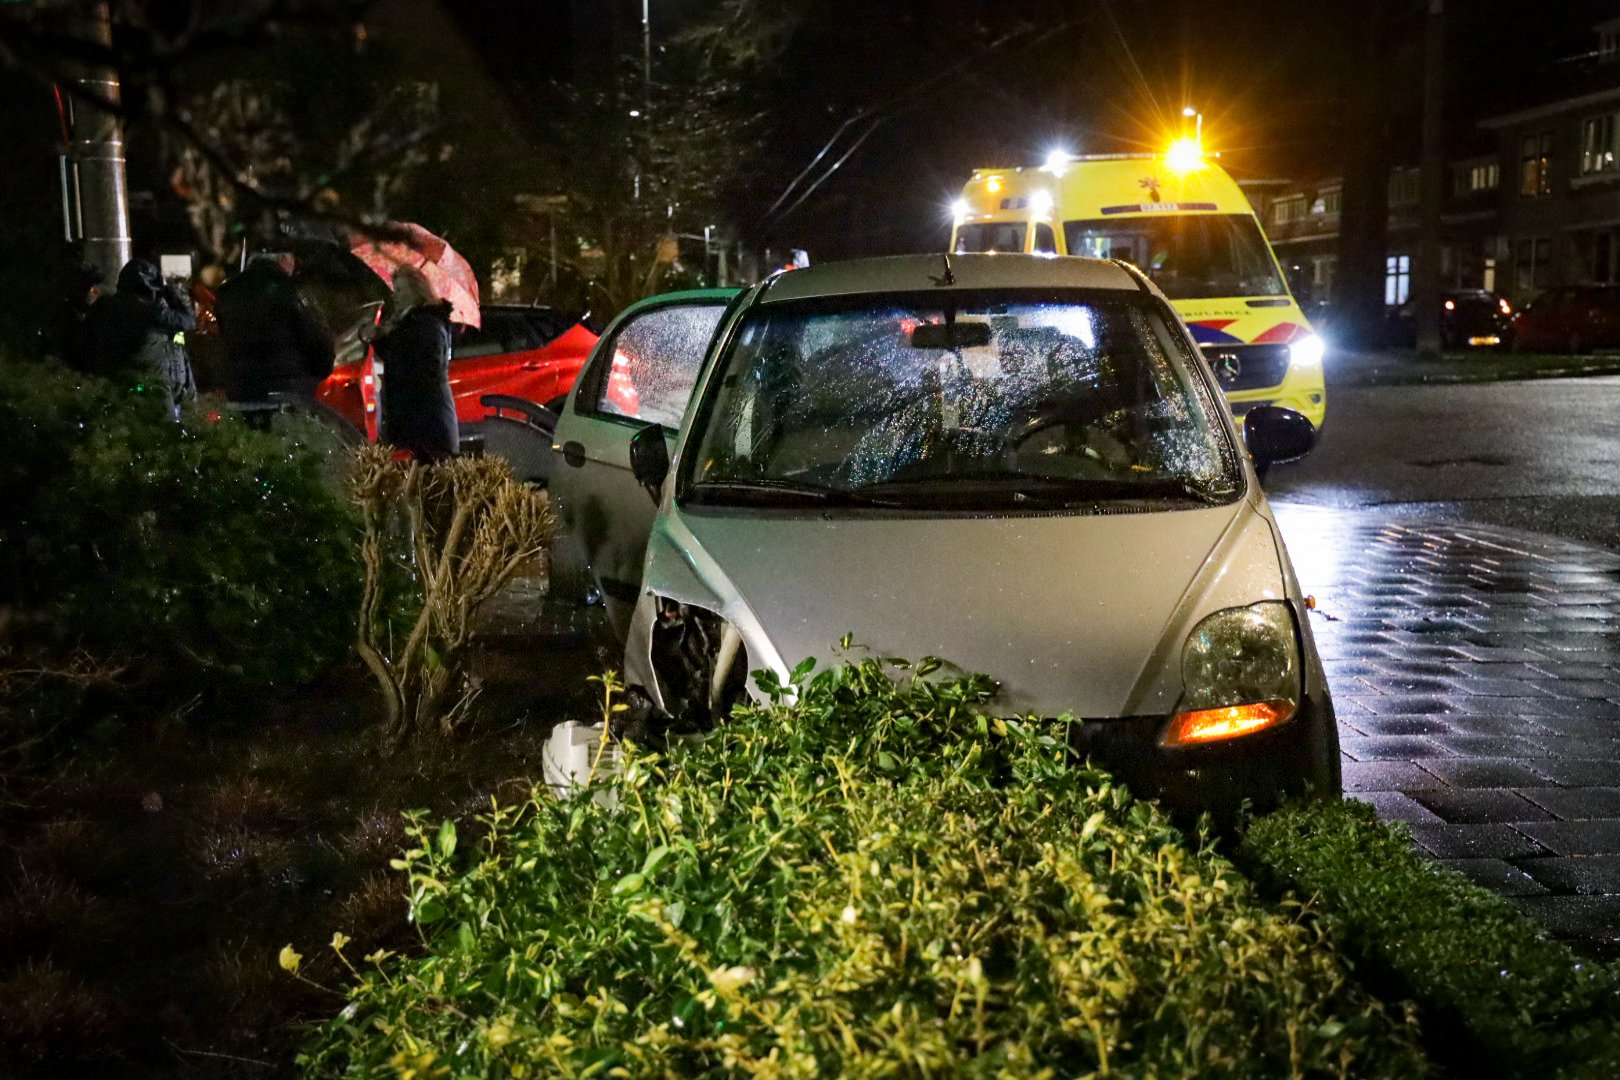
(1306, 352)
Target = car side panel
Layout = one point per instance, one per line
(606, 514)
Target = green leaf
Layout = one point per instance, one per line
(628, 884)
(654, 857)
(447, 839)
(429, 912)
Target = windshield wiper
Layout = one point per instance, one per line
(767, 490)
(1045, 487)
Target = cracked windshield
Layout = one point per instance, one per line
(973, 403)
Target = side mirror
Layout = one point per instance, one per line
(1274, 436)
(649, 459)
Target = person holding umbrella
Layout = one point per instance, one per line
(413, 345)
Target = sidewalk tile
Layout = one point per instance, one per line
(1387, 776)
(1403, 725)
(1485, 772)
(1577, 773)
(1580, 726)
(1588, 874)
(1580, 688)
(1573, 746)
(1488, 745)
(1576, 803)
(1395, 806)
(1597, 836)
(1488, 841)
(1499, 875)
(1470, 724)
(1596, 917)
(1461, 806)
(1390, 747)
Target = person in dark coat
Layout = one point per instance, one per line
(68, 336)
(139, 333)
(273, 343)
(413, 347)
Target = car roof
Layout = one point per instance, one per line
(911, 273)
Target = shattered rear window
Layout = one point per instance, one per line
(975, 402)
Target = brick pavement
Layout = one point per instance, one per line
(1476, 675)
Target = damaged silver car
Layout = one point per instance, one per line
(1019, 464)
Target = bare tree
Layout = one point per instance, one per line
(639, 157)
(238, 154)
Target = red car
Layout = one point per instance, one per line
(533, 353)
(1571, 318)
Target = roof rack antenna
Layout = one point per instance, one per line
(948, 277)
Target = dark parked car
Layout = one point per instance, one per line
(1469, 318)
(1571, 318)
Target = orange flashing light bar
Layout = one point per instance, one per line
(1228, 722)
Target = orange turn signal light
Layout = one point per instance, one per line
(1227, 722)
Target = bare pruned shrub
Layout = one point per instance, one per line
(459, 530)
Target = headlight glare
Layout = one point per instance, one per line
(1240, 672)
(1306, 351)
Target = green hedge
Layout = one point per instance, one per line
(1498, 996)
(875, 881)
(203, 553)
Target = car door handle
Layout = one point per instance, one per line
(574, 453)
(531, 365)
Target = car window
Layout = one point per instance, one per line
(656, 357)
(981, 402)
(549, 325)
(1188, 256)
(1045, 240)
(489, 339)
(1002, 236)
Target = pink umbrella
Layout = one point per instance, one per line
(409, 244)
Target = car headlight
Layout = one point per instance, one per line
(1306, 351)
(1240, 671)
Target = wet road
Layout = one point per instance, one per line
(1542, 455)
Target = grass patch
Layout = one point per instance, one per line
(1499, 997)
(877, 880)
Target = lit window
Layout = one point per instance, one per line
(1478, 176)
(1397, 280)
(1288, 210)
(1535, 165)
(1597, 145)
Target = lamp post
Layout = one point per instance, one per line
(1426, 267)
(98, 153)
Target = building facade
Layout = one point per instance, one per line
(1534, 204)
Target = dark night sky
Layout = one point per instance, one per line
(1273, 78)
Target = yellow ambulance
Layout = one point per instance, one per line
(1182, 220)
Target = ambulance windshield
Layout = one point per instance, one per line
(1188, 256)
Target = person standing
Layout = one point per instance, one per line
(273, 343)
(413, 343)
(68, 336)
(139, 332)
